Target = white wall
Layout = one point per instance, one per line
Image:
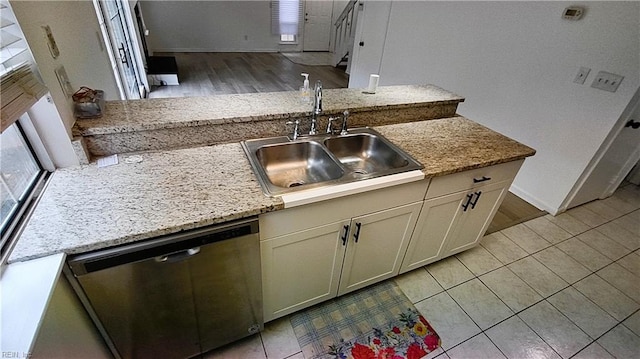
(515, 63)
(210, 26)
(75, 28)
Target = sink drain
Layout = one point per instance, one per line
(361, 172)
(295, 184)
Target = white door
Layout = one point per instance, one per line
(371, 31)
(617, 161)
(317, 25)
(119, 37)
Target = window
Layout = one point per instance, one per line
(13, 47)
(21, 174)
(287, 38)
(286, 18)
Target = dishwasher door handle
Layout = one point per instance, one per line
(178, 256)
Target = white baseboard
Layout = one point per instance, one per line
(187, 49)
(168, 79)
(534, 200)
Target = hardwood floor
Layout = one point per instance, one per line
(512, 211)
(204, 74)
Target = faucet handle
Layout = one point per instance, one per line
(330, 125)
(345, 119)
(296, 129)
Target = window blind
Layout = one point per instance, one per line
(20, 90)
(286, 16)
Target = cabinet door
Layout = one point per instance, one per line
(377, 243)
(473, 222)
(435, 223)
(302, 268)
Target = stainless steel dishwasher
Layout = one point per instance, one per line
(175, 296)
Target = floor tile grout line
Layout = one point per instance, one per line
(544, 298)
(609, 330)
(619, 290)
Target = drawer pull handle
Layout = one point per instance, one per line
(484, 178)
(176, 257)
(344, 236)
(357, 234)
(466, 204)
(473, 203)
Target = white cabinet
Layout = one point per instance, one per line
(304, 267)
(377, 246)
(471, 222)
(456, 213)
(318, 251)
(435, 222)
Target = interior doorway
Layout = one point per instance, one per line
(118, 37)
(617, 158)
(317, 25)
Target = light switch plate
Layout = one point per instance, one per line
(582, 75)
(607, 81)
(51, 42)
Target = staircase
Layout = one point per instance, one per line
(345, 34)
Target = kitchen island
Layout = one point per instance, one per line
(175, 180)
(149, 194)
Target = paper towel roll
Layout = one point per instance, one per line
(373, 83)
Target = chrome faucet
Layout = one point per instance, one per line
(317, 107)
(345, 118)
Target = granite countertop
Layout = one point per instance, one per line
(456, 144)
(87, 208)
(153, 114)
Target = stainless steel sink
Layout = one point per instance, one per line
(365, 153)
(284, 166)
(297, 164)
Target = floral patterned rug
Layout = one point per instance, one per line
(378, 322)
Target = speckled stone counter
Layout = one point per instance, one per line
(87, 208)
(453, 145)
(159, 124)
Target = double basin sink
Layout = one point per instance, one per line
(283, 166)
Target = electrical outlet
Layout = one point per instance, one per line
(582, 75)
(63, 79)
(607, 81)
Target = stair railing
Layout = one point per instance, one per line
(344, 34)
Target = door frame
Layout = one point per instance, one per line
(304, 23)
(617, 178)
(136, 56)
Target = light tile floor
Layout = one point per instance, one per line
(554, 287)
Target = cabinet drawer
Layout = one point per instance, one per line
(472, 178)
